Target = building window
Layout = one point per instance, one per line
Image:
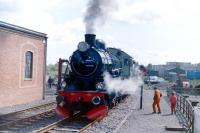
(29, 65)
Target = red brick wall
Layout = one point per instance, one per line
(14, 88)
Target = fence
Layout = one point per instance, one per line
(186, 109)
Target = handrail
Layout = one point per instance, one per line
(186, 109)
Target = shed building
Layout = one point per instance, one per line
(22, 64)
(193, 75)
(172, 74)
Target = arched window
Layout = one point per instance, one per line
(29, 65)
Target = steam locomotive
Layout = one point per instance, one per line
(81, 85)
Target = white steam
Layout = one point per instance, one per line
(97, 10)
(125, 86)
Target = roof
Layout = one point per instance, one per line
(18, 29)
(116, 49)
(176, 70)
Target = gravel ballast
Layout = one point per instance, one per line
(115, 118)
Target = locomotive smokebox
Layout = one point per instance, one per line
(90, 39)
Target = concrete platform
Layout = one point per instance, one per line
(143, 121)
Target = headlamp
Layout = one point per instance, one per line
(83, 46)
(100, 86)
(96, 100)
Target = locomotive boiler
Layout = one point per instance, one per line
(81, 84)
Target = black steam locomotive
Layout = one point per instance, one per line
(81, 85)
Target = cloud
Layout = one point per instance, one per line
(156, 11)
(146, 56)
(172, 25)
(136, 12)
(165, 25)
(38, 15)
(7, 5)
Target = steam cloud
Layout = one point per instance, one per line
(97, 10)
(127, 86)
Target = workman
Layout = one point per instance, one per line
(156, 100)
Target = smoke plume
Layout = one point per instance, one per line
(125, 86)
(97, 11)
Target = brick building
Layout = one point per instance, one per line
(22, 64)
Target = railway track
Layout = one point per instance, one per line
(16, 120)
(68, 125)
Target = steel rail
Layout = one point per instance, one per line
(88, 125)
(56, 125)
(28, 109)
(23, 121)
(51, 126)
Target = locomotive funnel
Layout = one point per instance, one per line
(90, 39)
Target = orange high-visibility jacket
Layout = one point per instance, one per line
(157, 95)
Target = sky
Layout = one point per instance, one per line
(151, 31)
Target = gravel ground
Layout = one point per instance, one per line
(115, 117)
(117, 114)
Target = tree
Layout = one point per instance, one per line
(178, 65)
(149, 66)
(52, 70)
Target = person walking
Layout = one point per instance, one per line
(50, 81)
(156, 100)
(173, 100)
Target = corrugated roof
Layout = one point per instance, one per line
(177, 70)
(18, 29)
(121, 51)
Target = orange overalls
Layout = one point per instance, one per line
(173, 100)
(156, 101)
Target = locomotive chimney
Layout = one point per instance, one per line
(90, 39)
